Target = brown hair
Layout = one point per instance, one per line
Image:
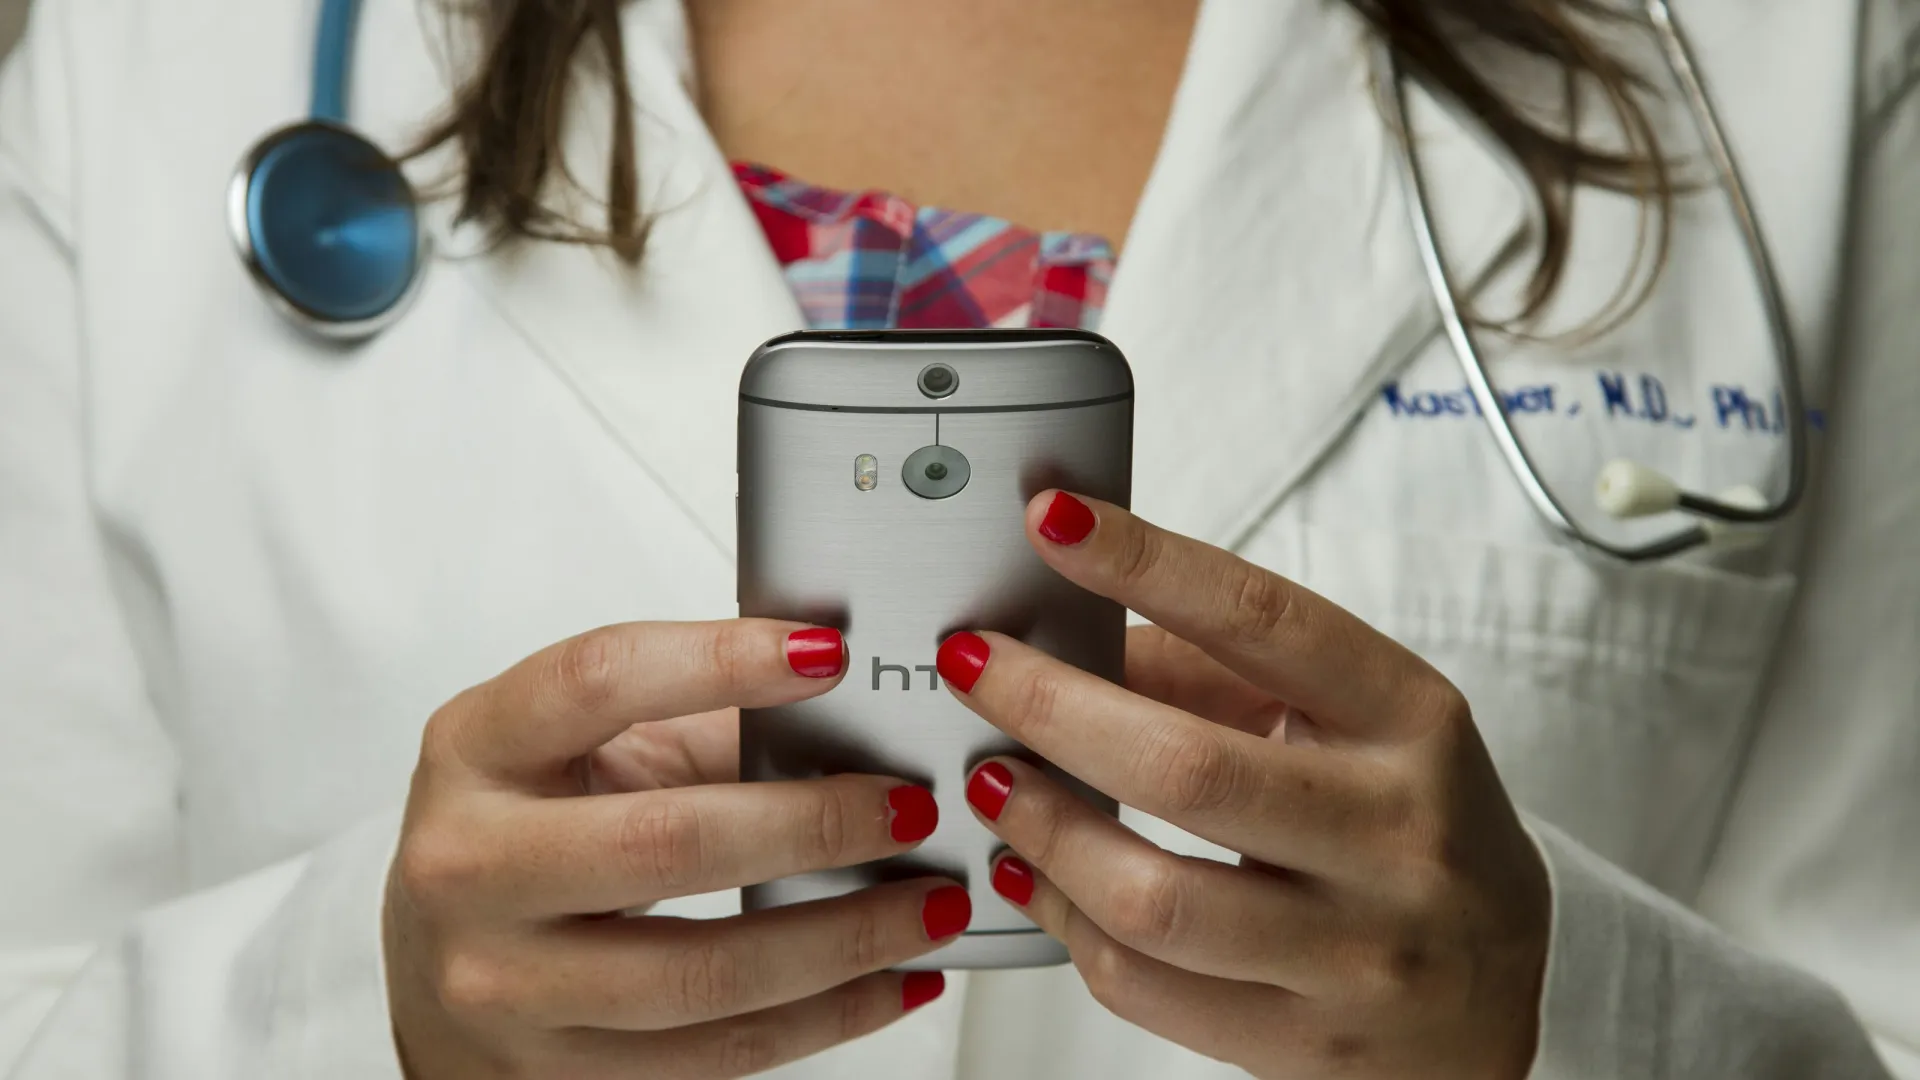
(506, 119)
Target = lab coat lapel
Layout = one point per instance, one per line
(1270, 280)
(656, 353)
(1782, 74)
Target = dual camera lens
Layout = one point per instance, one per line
(936, 472)
(938, 380)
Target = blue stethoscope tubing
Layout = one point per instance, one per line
(325, 221)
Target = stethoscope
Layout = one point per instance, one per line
(325, 220)
(1627, 489)
(330, 228)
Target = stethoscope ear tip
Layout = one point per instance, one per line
(1738, 536)
(1628, 489)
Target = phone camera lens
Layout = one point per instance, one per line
(938, 380)
(936, 472)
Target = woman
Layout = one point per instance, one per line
(242, 569)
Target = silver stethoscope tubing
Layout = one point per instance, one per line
(1625, 489)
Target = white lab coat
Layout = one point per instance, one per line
(239, 568)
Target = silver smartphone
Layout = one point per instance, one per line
(884, 478)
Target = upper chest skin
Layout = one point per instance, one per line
(1046, 114)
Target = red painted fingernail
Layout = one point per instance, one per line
(946, 912)
(961, 659)
(988, 789)
(818, 653)
(1067, 521)
(914, 813)
(1013, 879)
(920, 987)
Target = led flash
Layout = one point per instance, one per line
(866, 472)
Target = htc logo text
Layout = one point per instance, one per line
(882, 673)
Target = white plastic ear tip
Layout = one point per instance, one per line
(1628, 489)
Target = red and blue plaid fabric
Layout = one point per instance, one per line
(873, 261)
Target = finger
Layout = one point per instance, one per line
(570, 698)
(1234, 1022)
(652, 974)
(1278, 635)
(1298, 807)
(687, 750)
(1179, 673)
(725, 1049)
(1196, 914)
(554, 857)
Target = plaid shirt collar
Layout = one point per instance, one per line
(873, 261)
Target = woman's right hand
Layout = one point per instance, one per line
(597, 777)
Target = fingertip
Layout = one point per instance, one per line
(917, 988)
(1063, 519)
(946, 911)
(817, 652)
(961, 659)
(912, 813)
(989, 787)
(1013, 879)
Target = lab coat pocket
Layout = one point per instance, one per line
(1615, 699)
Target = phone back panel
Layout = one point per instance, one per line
(898, 572)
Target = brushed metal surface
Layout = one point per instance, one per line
(898, 573)
(1004, 369)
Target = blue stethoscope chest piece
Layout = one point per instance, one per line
(326, 221)
(329, 226)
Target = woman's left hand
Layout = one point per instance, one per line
(1389, 916)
